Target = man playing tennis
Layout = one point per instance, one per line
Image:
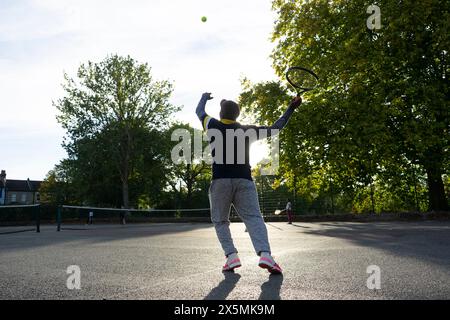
(232, 182)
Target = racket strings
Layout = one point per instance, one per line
(302, 79)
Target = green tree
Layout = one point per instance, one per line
(383, 99)
(112, 113)
(189, 181)
(58, 186)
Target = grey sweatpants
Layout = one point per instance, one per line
(242, 194)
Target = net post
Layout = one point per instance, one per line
(58, 219)
(38, 219)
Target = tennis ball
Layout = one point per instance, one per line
(204, 19)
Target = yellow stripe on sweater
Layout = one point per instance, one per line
(227, 121)
(205, 121)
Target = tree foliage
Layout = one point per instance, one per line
(189, 181)
(115, 115)
(380, 119)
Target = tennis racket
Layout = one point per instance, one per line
(278, 212)
(302, 79)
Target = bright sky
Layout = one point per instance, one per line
(41, 39)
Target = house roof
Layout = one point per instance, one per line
(23, 185)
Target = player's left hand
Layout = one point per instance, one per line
(207, 96)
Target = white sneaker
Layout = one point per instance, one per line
(266, 261)
(232, 262)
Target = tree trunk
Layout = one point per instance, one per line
(436, 192)
(189, 181)
(125, 194)
(332, 198)
(126, 170)
(416, 199)
(189, 194)
(372, 197)
(294, 211)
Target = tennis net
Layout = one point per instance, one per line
(19, 218)
(83, 217)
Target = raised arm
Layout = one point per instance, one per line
(283, 120)
(200, 111)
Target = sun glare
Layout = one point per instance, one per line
(258, 151)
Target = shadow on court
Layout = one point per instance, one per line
(270, 290)
(428, 241)
(91, 235)
(225, 287)
(300, 226)
(272, 225)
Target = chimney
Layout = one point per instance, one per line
(3, 177)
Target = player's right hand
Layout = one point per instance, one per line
(207, 96)
(296, 102)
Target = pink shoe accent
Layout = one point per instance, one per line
(235, 263)
(276, 269)
(270, 265)
(270, 262)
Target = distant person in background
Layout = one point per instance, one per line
(289, 211)
(122, 217)
(91, 217)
